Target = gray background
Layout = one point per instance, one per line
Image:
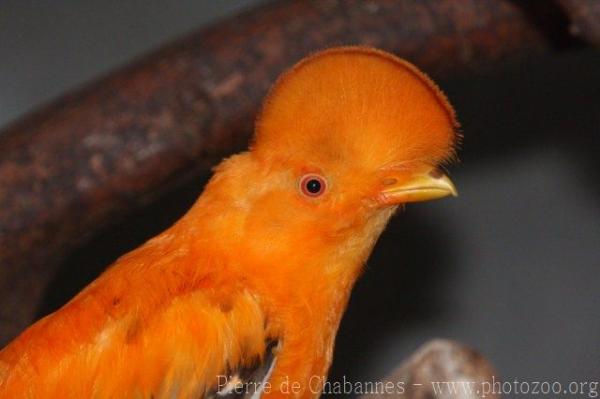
(47, 47)
(510, 267)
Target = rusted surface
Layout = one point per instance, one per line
(585, 19)
(92, 156)
(424, 375)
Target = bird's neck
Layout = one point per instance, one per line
(316, 290)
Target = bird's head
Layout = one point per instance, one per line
(343, 138)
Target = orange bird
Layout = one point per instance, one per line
(244, 294)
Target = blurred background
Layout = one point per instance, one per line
(511, 267)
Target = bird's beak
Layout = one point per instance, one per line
(423, 186)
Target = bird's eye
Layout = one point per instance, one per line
(313, 185)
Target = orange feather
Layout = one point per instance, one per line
(258, 258)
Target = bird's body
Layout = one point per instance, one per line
(267, 256)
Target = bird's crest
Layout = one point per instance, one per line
(359, 104)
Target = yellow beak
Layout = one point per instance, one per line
(425, 186)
